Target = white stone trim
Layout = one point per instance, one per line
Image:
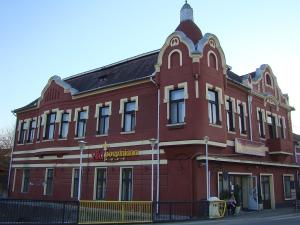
(170, 55)
(197, 88)
(193, 142)
(184, 85)
(221, 159)
(167, 90)
(208, 59)
(89, 164)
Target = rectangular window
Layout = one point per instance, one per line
(230, 123)
(49, 182)
(129, 116)
(281, 128)
(75, 183)
(177, 106)
(103, 120)
(242, 119)
(39, 128)
(81, 124)
(25, 180)
(22, 134)
(50, 126)
(31, 131)
(289, 186)
(126, 184)
(261, 124)
(100, 184)
(213, 107)
(64, 127)
(271, 126)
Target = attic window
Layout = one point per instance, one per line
(102, 78)
(268, 80)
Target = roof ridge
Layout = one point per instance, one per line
(111, 65)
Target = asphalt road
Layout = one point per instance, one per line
(291, 218)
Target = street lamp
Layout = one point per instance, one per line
(206, 138)
(81, 146)
(152, 143)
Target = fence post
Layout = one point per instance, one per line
(63, 214)
(78, 209)
(123, 211)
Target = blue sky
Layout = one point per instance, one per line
(39, 39)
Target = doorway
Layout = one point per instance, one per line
(267, 191)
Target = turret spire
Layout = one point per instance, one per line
(186, 12)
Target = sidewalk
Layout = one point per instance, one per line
(245, 217)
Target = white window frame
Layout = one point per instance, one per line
(120, 181)
(77, 110)
(72, 184)
(45, 181)
(95, 181)
(170, 55)
(97, 110)
(23, 178)
(220, 101)
(292, 190)
(238, 103)
(123, 101)
(233, 112)
(263, 120)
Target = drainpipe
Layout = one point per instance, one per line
(11, 154)
(157, 144)
(250, 115)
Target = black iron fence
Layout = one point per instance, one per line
(180, 211)
(21, 211)
(38, 211)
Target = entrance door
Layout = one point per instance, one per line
(265, 191)
(252, 195)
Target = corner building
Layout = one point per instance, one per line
(177, 95)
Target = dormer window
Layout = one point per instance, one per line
(212, 60)
(269, 80)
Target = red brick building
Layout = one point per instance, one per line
(178, 95)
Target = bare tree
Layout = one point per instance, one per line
(7, 138)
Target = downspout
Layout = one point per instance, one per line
(11, 155)
(250, 115)
(157, 140)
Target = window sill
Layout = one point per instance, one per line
(78, 138)
(231, 132)
(29, 143)
(62, 139)
(289, 199)
(127, 132)
(176, 125)
(244, 135)
(101, 135)
(215, 125)
(262, 139)
(47, 140)
(20, 144)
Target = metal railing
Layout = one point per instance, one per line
(180, 211)
(115, 212)
(38, 211)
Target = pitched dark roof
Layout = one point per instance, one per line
(129, 70)
(133, 69)
(233, 76)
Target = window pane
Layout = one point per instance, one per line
(177, 94)
(104, 111)
(128, 121)
(173, 115)
(81, 129)
(65, 117)
(51, 132)
(101, 184)
(211, 96)
(64, 130)
(181, 112)
(130, 106)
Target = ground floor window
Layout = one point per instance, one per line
(289, 186)
(100, 184)
(75, 183)
(126, 184)
(25, 180)
(48, 182)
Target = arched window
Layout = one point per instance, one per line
(212, 60)
(268, 80)
(175, 58)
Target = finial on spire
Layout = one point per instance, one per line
(186, 12)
